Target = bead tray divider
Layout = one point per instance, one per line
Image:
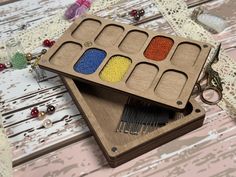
(102, 110)
(173, 78)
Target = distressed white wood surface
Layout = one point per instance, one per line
(20, 92)
(195, 154)
(26, 134)
(208, 151)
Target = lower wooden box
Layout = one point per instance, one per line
(102, 109)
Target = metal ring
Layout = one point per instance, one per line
(211, 102)
(196, 91)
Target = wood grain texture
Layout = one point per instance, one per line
(20, 92)
(197, 153)
(102, 110)
(109, 35)
(142, 77)
(209, 151)
(168, 87)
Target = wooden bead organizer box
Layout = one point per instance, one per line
(142, 63)
(102, 109)
(112, 63)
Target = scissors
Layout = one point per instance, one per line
(212, 79)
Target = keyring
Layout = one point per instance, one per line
(211, 102)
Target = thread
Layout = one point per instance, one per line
(158, 48)
(90, 61)
(115, 69)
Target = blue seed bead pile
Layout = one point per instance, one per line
(90, 61)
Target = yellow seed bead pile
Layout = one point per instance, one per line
(115, 69)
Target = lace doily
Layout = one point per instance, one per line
(102, 4)
(5, 155)
(178, 16)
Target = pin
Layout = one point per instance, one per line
(142, 117)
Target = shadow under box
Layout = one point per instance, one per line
(108, 106)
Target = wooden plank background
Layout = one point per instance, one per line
(208, 151)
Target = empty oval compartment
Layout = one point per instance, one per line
(109, 35)
(142, 77)
(171, 85)
(65, 54)
(133, 41)
(90, 61)
(86, 30)
(115, 68)
(185, 54)
(158, 48)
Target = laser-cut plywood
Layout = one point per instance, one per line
(102, 109)
(167, 79)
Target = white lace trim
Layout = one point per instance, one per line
(178, 16)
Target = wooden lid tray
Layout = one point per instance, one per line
(157, 67)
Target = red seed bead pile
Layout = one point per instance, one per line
(48, 43)
(158, 48)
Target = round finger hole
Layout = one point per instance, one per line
(88, 44)
(197, 110)
(211, 95)
(179, 102)
(114, 149)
